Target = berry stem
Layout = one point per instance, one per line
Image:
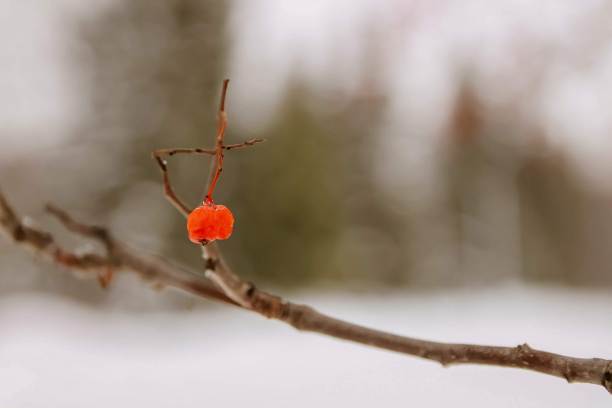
(218, 160)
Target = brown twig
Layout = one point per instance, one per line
(171, 196)
(218, 162)
(203, 151)
(157, 270)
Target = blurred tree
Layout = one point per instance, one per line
(306, 202)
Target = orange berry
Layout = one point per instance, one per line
(209, 222)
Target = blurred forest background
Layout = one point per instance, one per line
(405, 147)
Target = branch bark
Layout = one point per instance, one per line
(227, 287)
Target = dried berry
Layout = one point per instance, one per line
(209, 222)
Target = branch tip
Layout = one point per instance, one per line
(223, 95)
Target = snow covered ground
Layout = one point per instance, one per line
(57, 353)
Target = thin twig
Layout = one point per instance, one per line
(246, 143)
(218, 161)
(168, 190)
(160, 272)
(183, 150)
(203, 151)
(217, 164)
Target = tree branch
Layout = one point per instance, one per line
(581, 370)
(222, 284)
(119, 256)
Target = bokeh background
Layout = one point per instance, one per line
(456, 153)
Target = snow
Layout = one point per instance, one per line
(56, 352)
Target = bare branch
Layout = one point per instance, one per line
(168, 190)
(595, 371)
(224, 285)
(119, 256)
(581, 370)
